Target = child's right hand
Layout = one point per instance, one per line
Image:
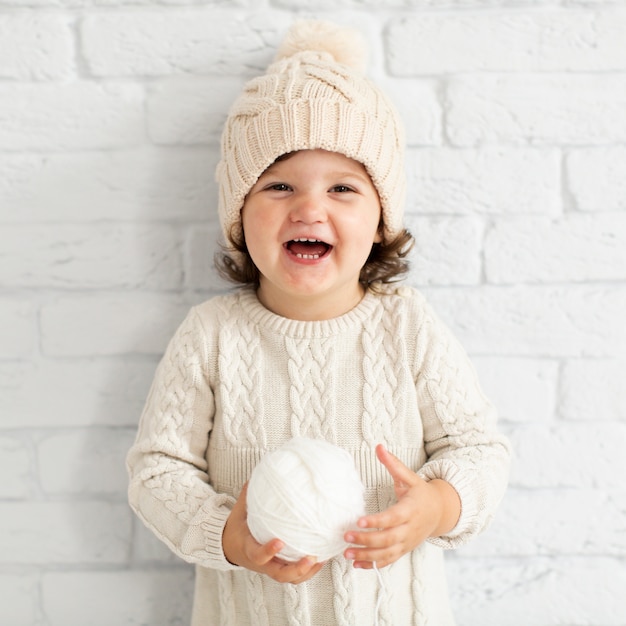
(241, 548)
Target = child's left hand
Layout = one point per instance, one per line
(424, 509)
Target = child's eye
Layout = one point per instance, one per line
(341, 189)
(279, 187)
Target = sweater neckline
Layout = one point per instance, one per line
(258, 314)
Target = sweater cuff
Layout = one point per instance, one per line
(470, 520)
(209, 530)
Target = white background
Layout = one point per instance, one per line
(110, 115)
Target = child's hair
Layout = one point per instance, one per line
(386, 263)
(314, 96)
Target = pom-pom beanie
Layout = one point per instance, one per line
(313, 96)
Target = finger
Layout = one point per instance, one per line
(308, 575)
(379, 563)
(385, 550)
(304, 565)
(401, 474)
(289, 572)
(374, 538)
(365, 559)
(263, 554)
(384, 519)
(312, 572)
(399, 513)
(307, 568)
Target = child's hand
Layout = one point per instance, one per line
(240, 548)
(424, 509)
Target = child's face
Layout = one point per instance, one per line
(327, 200)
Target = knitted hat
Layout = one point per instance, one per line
(313, 96)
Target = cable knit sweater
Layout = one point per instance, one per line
(237, 380)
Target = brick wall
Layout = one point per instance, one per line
(110, 114)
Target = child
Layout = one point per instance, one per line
(320, 344)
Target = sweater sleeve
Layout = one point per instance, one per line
(169, 486)
(461, 442)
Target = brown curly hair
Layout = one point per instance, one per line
(387, 262)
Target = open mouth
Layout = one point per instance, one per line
(304, 248)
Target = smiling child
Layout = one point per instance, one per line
(317, 341)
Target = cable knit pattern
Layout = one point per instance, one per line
(296, 606)
(394, 345)
(169, 482)
(226, 598)
(345, 611)
(387, 593)
(242, 402)
(310, 366)
(238, 380)
(417, 587)
(255, 599)
(377, 387)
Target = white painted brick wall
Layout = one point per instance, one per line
(110, 115)
(71, 116)
(538, 109)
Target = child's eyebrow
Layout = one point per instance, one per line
(339, 176)
(333, 175)
(363, 176)
(268, 170)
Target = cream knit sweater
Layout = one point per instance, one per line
(238, 380)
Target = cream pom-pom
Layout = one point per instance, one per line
(345, 45)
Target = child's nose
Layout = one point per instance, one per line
(308, 208)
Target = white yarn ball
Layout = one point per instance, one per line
(307, 493)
